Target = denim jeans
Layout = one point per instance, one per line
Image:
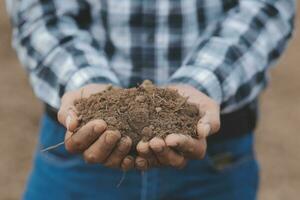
(229, 171)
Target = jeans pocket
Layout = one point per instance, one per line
(231, 154)
(228, 161)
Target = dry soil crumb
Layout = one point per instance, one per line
(141, 113)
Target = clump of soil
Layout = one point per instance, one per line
(141, 113)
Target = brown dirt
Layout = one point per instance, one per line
(141, 113)
(277, 137)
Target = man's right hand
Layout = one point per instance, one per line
(97, 144)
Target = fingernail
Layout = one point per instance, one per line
(68, 121)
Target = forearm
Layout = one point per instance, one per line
(231, 64)
(57, 49)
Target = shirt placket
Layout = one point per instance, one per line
(148, 38)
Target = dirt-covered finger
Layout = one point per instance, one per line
(144, 164)
(144, 150)
(165, 155)
(182, 143)
(210, 118)
(127, 163)
(188, 146)
(85, 136)
(118, 154)
(67, 113)
(99, 151)
(203, 129)
(141, 163)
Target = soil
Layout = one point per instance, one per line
(142, 112)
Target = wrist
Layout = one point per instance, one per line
(90, 75)
(203, 80)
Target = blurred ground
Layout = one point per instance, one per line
(277, 138)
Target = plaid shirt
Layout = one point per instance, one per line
(221, 47)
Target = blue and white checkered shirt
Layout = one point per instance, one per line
(221, 47)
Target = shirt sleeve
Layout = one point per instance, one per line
(230, 65)
(55, 45)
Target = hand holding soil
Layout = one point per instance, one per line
(164, 127)
(177, 148)
(93, 140)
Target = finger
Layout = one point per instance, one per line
(68, 118)
(85, 136)
(203, 129)
(127, 163)
(102, 148)
(190, 147)
(66, 114)
(143, 149)
(71, 122)
(210, 117)
(145, 152)
(118, 154)
(144, 164)
(165, 155)
(141, 163)
(68, 136)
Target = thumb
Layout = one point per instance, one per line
(71, 121)
(208, 124)
(66, 114)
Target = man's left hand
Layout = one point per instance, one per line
(176, 149)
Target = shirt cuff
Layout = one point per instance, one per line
(202, 79)
(92, 74)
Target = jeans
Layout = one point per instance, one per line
(229, 171)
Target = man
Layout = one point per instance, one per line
(216, 52)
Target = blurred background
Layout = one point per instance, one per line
(277, 136)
